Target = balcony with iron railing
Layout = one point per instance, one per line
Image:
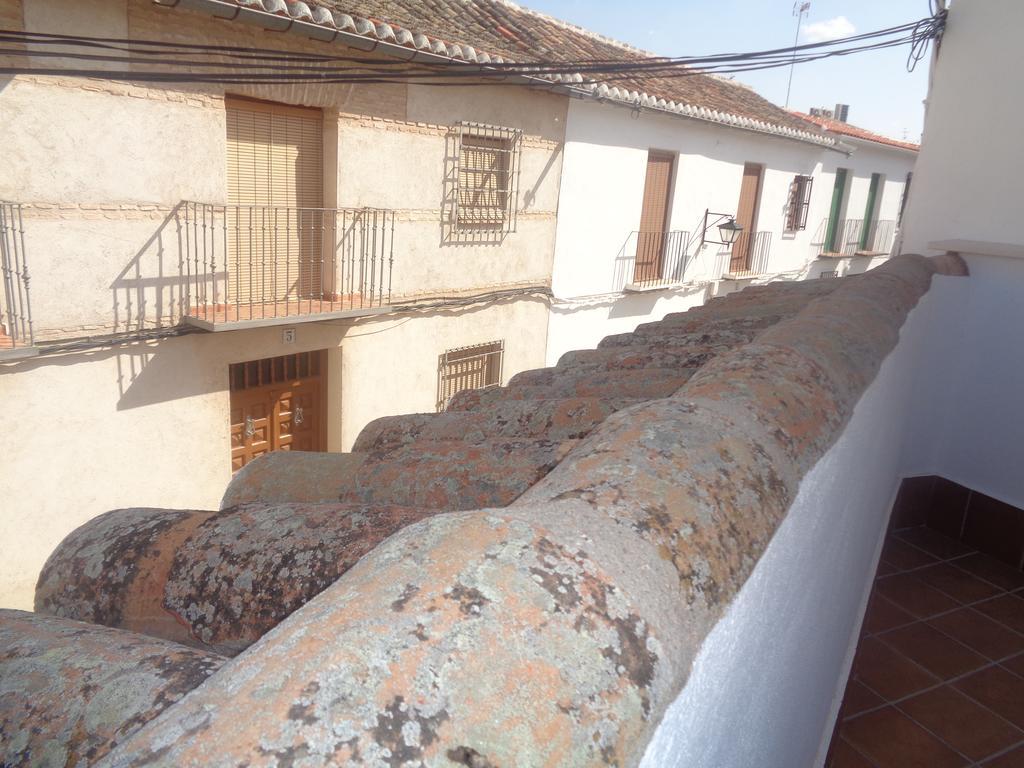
(850, 238)
(651, 260)
(247, 265)
(751, 254)
(16, 330)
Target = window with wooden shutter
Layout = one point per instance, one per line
(474, 367)
(275, 216)
(487, 177)
(799, 203)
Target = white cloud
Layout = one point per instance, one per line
(831, 29)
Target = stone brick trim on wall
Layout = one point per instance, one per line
(552, 627)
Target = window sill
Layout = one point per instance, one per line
(743, 275)
(645, 287)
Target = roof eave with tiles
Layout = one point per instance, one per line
(335, 21)
(396, 602)
(855, 133)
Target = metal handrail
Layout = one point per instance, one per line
(254, 262)
(16, 328)
(652, 258)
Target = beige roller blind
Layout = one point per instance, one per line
(275, 178)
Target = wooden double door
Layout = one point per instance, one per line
(277, 404)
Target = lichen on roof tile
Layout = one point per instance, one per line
(572, 613)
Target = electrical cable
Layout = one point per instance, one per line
(108, 341)
(204, 63)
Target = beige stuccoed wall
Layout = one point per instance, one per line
(100, 167)
(147, 425)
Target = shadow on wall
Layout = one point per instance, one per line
(145, 374)
(825, 268)
(151, 290)
(634, 305)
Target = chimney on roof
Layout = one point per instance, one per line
(842, 110)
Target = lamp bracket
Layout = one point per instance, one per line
(704, 229)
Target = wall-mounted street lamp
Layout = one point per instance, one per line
(728, 230)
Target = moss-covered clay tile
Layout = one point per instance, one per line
(532, 601)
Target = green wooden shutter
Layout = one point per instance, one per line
(869, 212)
(837, 203)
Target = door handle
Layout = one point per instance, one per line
(299, 417)
(250, 426)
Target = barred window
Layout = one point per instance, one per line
(474, 367)
(799, 203)
(487, 179)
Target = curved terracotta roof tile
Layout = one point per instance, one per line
(484, 31)
(71, 691)
(573, 614)
(846, 129)
(123, 568)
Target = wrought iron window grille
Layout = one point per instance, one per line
(483, 181)
(474, 367)
(799, 203)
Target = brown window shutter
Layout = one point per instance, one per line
(275, 169)
(654, 216)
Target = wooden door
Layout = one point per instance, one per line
(275, 194)
(277, 404)
(650, 243)
(298, 412)
(252, 414)
(746, 217)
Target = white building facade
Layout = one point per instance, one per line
(643, 195)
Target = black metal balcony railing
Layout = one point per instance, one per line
(850, 239)
(257, 263)
(750, 254)
(651, 260)
(16, 310)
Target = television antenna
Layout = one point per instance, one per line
(799, 10)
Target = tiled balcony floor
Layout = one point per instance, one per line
(938, 679)
(266, 310)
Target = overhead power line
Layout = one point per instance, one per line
(159, 62)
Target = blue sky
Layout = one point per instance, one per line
(882, 95)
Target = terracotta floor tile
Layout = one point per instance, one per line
(1012, 759)
(885, 569)
(934, 543)
(990, 569)
(998, 689)
(957, 583)
(903, 556)
(979, 632)
(936, 652)
(845, 756)
(913, 595)
(1007, 610)
(883, 614)
(963, 724)
(892, 740)
(1016, 664)
(887, 672)
(858, 699)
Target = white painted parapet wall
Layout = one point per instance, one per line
(946, 402)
